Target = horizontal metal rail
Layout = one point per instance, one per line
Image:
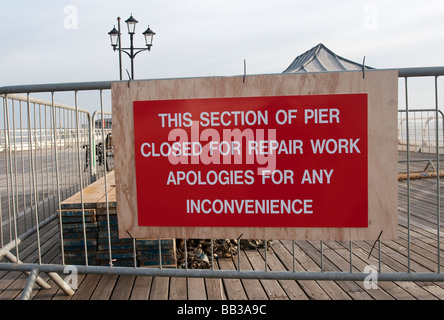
(104, 85)
(233, 274)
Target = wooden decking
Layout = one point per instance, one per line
(336, 257)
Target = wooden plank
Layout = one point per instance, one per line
(291, 287)
(90, 194)
(311, 288)
(104, 287)
(416, 291)
(196, 289)
(178, 288)
(89, 284)
(14, 289)
(382, 147)
(159, 288)
(122, 290)
(272, 288)
(333, 289)
(252, 287)
(435, 290)
(215, 289)
(233, 287)
(141, 289)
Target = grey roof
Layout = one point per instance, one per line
(321, 59)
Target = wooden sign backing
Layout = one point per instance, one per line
(382, 89)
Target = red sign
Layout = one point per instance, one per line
(285, 161)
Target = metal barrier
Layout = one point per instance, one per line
(45, 158)
(101, 139)
(422, 135)
(52, 163)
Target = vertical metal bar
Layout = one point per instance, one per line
(71, 158)
(93, 143)
(46, 155)
(7, 147)
(63, 156)
(41, 162)
(322, 256)
(14, 209)
(238, 253)
(51, 152)
(80, 178)
(160, 253)
(92, 147)
(23, 164)
(134, 253)
(1, 221)
(379, 255)
(15, 191)
(265, 255)
(212, 254)
(186, 254)
(58, 144)
(31, 187)
(106, 189)
(408, 172)
(294, 258)
(33, 175)
(438, 202)
(1, 214)
(54, 120)
(351, 254)
(34, 164)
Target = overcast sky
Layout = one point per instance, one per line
(55, 41)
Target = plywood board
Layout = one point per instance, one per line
(381, 87)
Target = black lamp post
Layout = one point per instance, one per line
(116, 42)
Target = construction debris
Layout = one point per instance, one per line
(421, 174)
(199, 251)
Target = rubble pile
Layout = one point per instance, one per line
(199, 252)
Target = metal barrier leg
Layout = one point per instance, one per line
(42, 283)
(30, 284)
(61, 283)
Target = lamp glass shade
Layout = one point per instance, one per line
(114, 37)
(149, 34)
(131, 23)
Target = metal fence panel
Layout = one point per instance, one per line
(49, 152)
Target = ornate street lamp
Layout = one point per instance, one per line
(114, 36)
(131, 51)
(149, 34)
(131, 22)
